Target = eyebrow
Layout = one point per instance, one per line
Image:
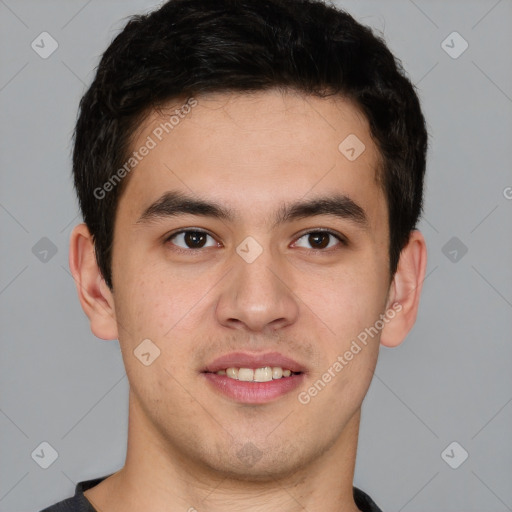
(174, 203)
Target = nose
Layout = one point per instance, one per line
(258, 295)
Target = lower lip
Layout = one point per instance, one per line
(254, 392)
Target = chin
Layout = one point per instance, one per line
(245, 462)
(261, 472)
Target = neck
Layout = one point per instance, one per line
(156, 476)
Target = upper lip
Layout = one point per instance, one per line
(248, 360)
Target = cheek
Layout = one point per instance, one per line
(351, 300)
(351, 346)
(351, 384)
(167, 313)
(355, 309)
(149, 305)
(153, 345)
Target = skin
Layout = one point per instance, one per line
(251, 153)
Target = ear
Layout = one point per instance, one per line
(405, 290)
(95, 296)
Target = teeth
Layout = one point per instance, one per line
(277, 372)
(265, 374)
(232, 372)
(245, 374)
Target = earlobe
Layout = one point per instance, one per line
(95, 297)
(405, 290)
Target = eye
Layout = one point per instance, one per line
(188, 240)
(319, 240)
(191, 239)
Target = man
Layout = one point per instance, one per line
(250, 175)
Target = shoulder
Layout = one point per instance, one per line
(364, 502)
(74, 504)
(77, 503)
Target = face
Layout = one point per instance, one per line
(284, 268)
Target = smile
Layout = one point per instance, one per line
(254, 378)
(265, 374)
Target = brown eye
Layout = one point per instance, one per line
(190, 239)
(320, 240)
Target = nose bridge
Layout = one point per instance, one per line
(257, 294)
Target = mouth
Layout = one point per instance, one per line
(254, 378)
(264, 374)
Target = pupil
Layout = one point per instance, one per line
(314, 238)
(193, 238)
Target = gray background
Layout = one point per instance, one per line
(449, 381)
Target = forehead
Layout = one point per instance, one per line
(248, 151)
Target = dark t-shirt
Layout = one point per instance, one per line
(79, 503)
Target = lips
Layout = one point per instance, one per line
(254, 361)
(254, 391)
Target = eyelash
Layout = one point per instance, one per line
(339, 237)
